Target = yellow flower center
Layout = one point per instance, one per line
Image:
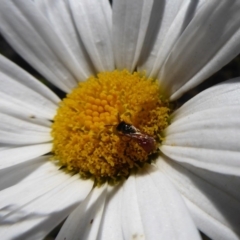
(110, 125)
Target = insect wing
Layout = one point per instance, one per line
(145, 141)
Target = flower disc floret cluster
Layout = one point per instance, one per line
(84, 128)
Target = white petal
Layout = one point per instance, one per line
(9, 107)
(18, 172)
(92, 19)
(44, 169)
(207, 224)
(47, 168)
(13, 156)
(17, 131)
(168, 21)
(84, 221)
(32, 36)
(21, 89)
(60, 17)
(208, 139)
(111, 220)
(162, 208)
(225, 94)
(205, 131)
(130, 22)
(130, 213)
(209, 42)
(23, 139)
(12, 124)
(32, 212)
(32, 188)
(4, 147)
(213, 199)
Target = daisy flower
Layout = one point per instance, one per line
(115, 159)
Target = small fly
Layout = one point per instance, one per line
(147, 142)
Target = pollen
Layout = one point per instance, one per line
(86, 136)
